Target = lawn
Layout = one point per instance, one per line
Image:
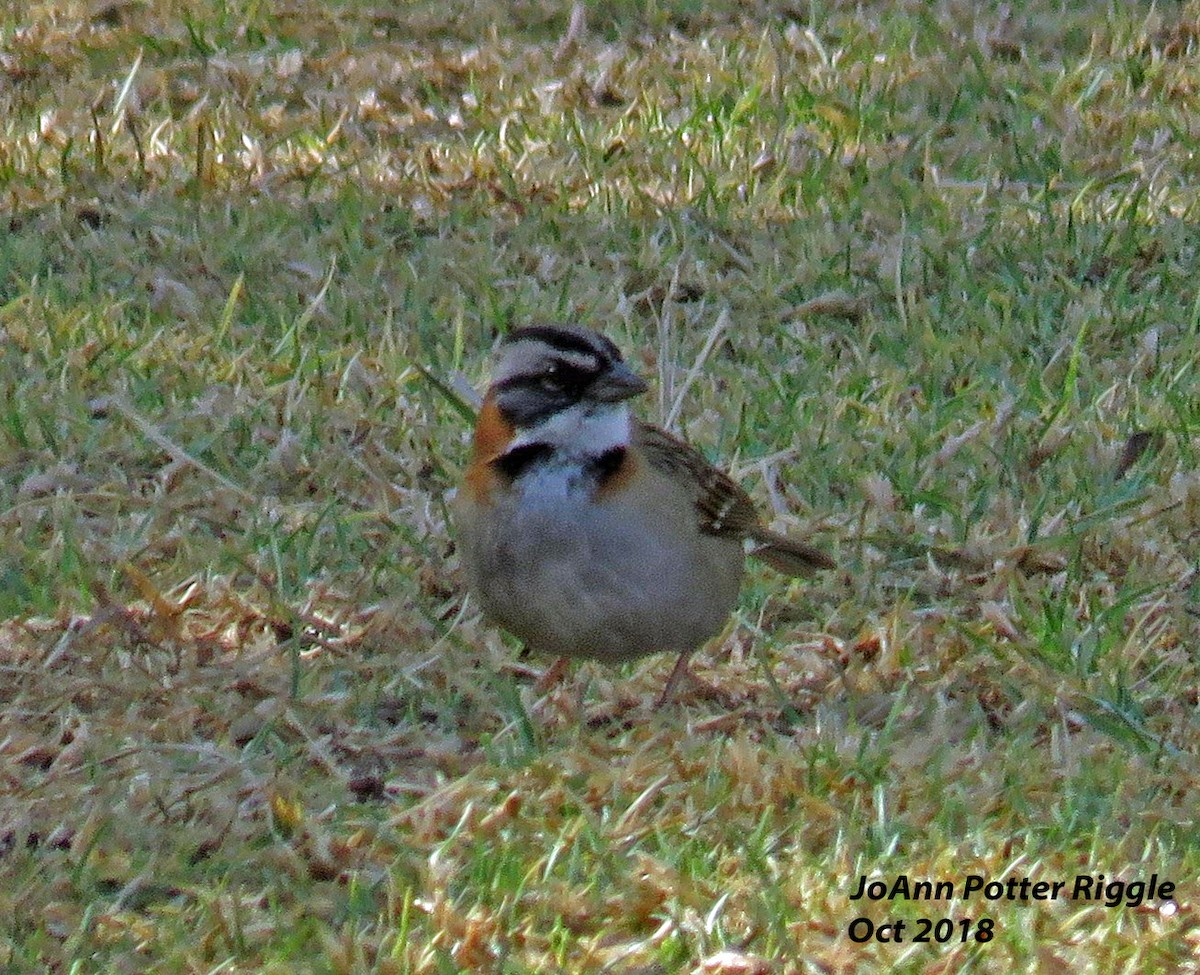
(254, 257)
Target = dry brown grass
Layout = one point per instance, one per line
(247, 722)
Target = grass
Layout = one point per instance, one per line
(248, 722)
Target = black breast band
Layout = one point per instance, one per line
(516, 462)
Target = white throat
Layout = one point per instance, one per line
(581, 431)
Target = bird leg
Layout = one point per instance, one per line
(553, 675)
(677, 674)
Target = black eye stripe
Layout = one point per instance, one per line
(570, 374)
(565, 374)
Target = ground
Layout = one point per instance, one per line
(922, 276)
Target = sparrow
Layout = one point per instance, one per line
(588, 533)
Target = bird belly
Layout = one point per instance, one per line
(570, 576)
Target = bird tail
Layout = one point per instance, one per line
(787, 555)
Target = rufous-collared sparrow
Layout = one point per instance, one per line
(588, 533)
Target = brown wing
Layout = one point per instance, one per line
(722, 507)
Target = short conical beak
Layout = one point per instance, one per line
(618, 383)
